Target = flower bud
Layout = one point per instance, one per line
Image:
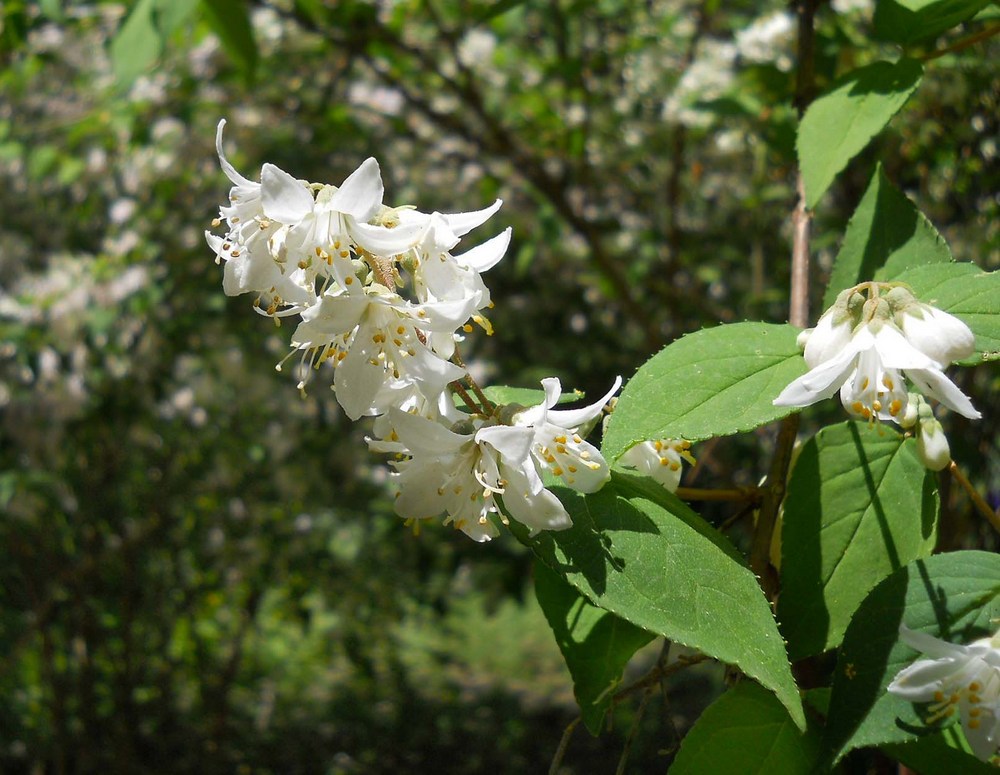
(912, 412)
(932, 445)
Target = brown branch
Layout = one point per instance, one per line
(740, 494)
(798, 314)
(962, 44)
(977, 500)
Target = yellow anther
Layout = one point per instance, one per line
(348, 280)
(895, 407)
(571, 469)
(467, 328)
(557, 471)
(864, 385)
(559, 439)
(400, 329)
(887, 381)
(216, 222)
(344, 254)
(877, 405)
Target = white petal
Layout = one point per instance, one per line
(919, 681)
(512, 442)
(938, 334)
(228, 168)
(937, 385)
(896, 352)
(538, 509)
(574, 418)
(463, 223)
(827, 339)
(383, 241)
(357, 379)
(284, 198)
(822, 381)
(360, 196)
(485, 256)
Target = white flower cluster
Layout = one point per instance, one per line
(863, 345)
(340, 260)
(963, 680)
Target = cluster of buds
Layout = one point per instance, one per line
(873, 335)
(382, 299)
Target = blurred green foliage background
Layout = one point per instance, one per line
(200, 571)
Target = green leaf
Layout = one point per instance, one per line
(137, 44)
(230, 20)
(907, 21)
(497, 8)
(860, 505)
(141, 39)
(596, 644)
(713, 382)
(839, 124)
(953, 596)
(747, 731)
(942, 753)
(967, 292)
(171, 14)
(637, 551)
(886, 233)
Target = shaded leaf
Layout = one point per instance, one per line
(886, 235)
(230, 20)
(941, 753)
(595, 643)
(747, 731)
(636, 550)
(860, 505)
(907, 21)
(953, 596)
(840, 123)
(713, 382)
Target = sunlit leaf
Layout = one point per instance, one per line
(714, 382)
(840, 123)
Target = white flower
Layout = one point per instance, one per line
(463, 471)
(250, 265)
(375, 337)
(327, 230)
(962, 679)
(659, 459)
(867, 371)
(460, 473)
(556, 443)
